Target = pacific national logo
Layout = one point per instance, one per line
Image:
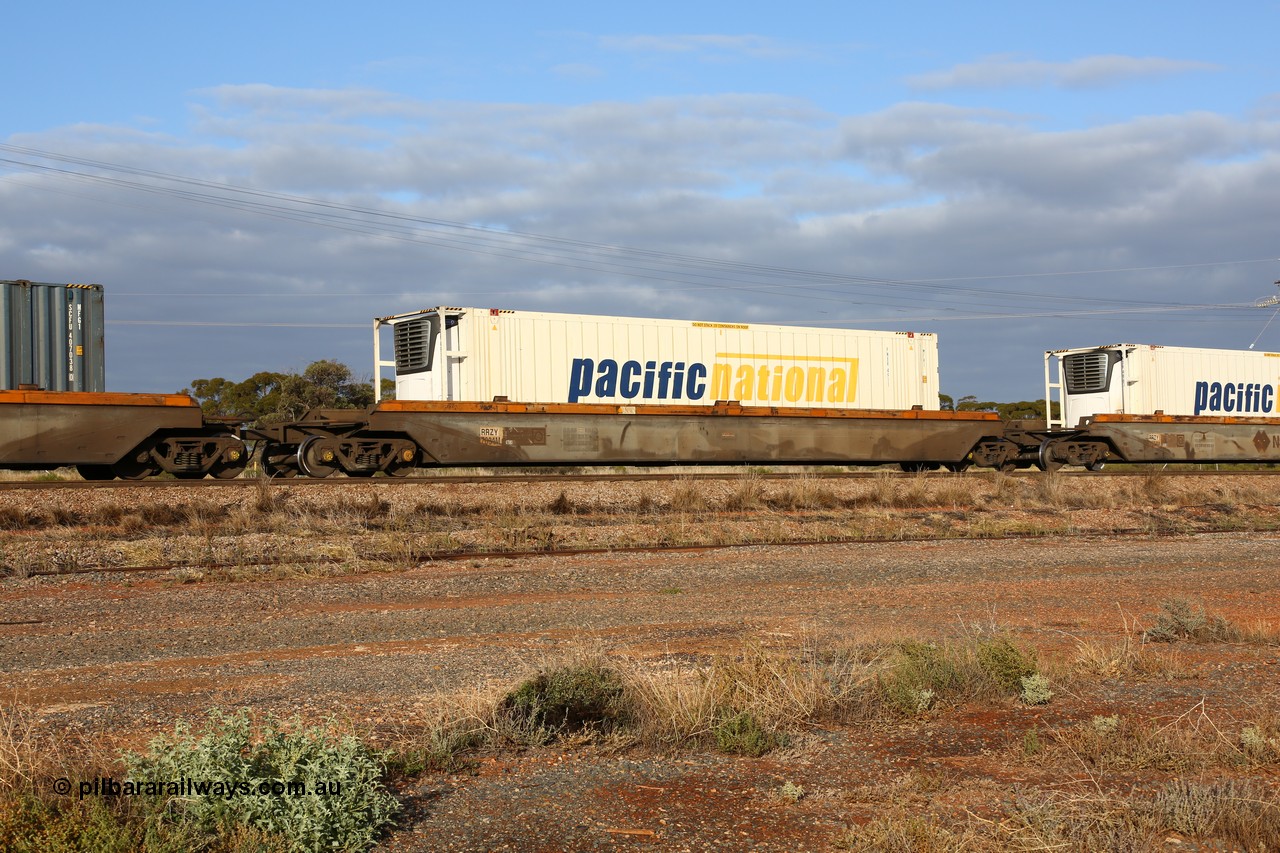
(1241, 397)
(745, 377)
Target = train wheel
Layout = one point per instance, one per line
(271, 462)
(228, 470)
(403, 464)
(1095, 466)
(96, 472)
(957, 467)
(315, 461)
(1046, 461)
(129, 468)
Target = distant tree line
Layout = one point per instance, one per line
(268, 397)
(1008, 411)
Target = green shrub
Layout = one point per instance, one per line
(315, 790)
(742, 734)
(920, 674)
(1005, 663)
(1105, 726)
(566, 699)
(1031, 743)
(30, 824)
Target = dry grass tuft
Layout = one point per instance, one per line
(954, 491)
(450, 507)
(1128, 658)
(31, 753)
(1242, 814)
(1178, 620)
(363, 509)
(777, 691)
(446, 733)
(19, 518)
(905, 830)
(1191, 742)
(687, 497)
(804, 493)
(27, 751)
(562, 505)
(268, 498)
(748, 495)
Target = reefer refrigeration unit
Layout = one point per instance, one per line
(487, 354)
(51, 336)
(1146, 379)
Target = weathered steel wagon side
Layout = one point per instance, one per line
(115, 435)
(396, 436)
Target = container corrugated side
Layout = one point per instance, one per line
(52, 336)
(470, 354)
(1182, 382)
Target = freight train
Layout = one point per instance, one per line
(484, 387)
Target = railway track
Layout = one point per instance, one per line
(262, 526)
(462, 555)
(248, 482)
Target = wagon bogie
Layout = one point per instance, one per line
(130, 436)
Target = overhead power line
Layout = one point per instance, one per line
(684, 270)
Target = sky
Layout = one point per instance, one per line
(253, 183)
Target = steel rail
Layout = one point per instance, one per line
(247, 482)
(457, 556)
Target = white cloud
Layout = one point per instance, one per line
(1090, 72)
(939, 148)
(278, 102)
(704, 46)
(915, 191)
(577, 71)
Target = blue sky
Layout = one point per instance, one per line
(1016, 178)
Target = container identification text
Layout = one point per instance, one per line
(1242, 397)
(828, 380)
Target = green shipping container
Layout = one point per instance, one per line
(51, 336)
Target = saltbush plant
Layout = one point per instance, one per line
(315, 790)
(1035, 689)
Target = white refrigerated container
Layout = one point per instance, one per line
(1143, 379)
(483, 354)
